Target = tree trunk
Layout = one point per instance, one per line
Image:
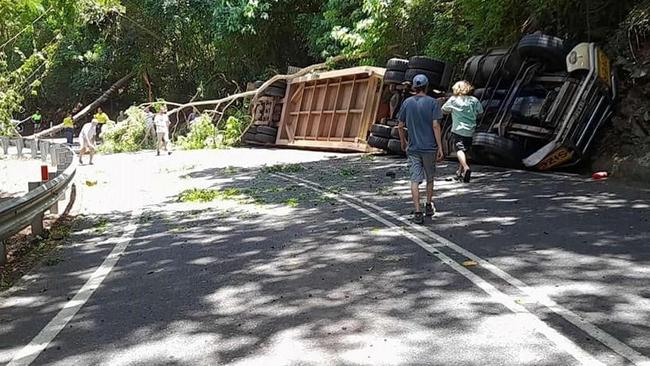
(118, 84)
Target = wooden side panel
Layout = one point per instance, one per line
(332, 113)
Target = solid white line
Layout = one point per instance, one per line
(29, 353)
(520, 311)
(593, 331)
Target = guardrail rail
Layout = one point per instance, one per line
(19, 212)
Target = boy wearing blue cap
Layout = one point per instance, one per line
(421, 114)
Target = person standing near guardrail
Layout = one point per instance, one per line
(464, 109)
(36, 118)
(87, 140)
(161, 121)
(68, 128)
(421, 114)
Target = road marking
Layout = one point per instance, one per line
(520, 311)
(30, 352)
(593, 331)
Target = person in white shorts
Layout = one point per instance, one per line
(161, 121)
(87, 140)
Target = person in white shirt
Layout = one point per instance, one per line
(161, 121)
(87, 141)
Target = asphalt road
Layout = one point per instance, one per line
(317, 264)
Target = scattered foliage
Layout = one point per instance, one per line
(128, 135)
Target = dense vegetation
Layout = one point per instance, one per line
(55, 54)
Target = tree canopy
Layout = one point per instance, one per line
(55, 54)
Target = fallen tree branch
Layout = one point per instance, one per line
(118, 84)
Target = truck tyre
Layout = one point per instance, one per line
(471, 70)
(485, 93)
(266, 130)
(394, 133)
(248, 137)
(426, 63)
(378, 142)
(394, 77)
(395, 147)
(549, 50)
(274, 91)
(267, 139)
(397, 64)
(497, 150)
(435, 79)
(380, 130)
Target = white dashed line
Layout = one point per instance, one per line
(29, 353)
(520, 311)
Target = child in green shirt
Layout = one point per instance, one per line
(464, 109)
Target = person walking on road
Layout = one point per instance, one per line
(68, 128)
(87, 141)
(161, 121)
(464, 109)
(421, 114)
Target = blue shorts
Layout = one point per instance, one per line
(422, 166)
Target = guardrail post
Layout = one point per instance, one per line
(33, 146)
(54, 156)
(37, 222)
(4, 141)
(45, 148)
(19, 147)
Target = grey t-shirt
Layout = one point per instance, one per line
(418, 113)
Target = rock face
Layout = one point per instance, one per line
(624, 146)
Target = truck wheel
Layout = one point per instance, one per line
(485, 93)
(549, 50)
(395, 147)
(378, 142)
(497, 150)
(267, 139)
(435, 79)
(380, 130)
(426, 63)
(274, 91)
(394, 133)
(397, 64)
(394, 77)
(266, 130)
(248, 137)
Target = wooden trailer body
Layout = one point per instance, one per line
(331, 110)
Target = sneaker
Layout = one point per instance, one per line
(158, 153)
(169, 152)
(467, 176)
(418, 218)
(430, 209)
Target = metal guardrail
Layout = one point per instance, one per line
(20, 212)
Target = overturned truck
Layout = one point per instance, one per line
(544, 104)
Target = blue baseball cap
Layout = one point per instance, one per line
(420, 81)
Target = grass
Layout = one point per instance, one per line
(101, 226)
(229, 170)
(208, 195)
(347, 172)
(292, 202)
(283, 168)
